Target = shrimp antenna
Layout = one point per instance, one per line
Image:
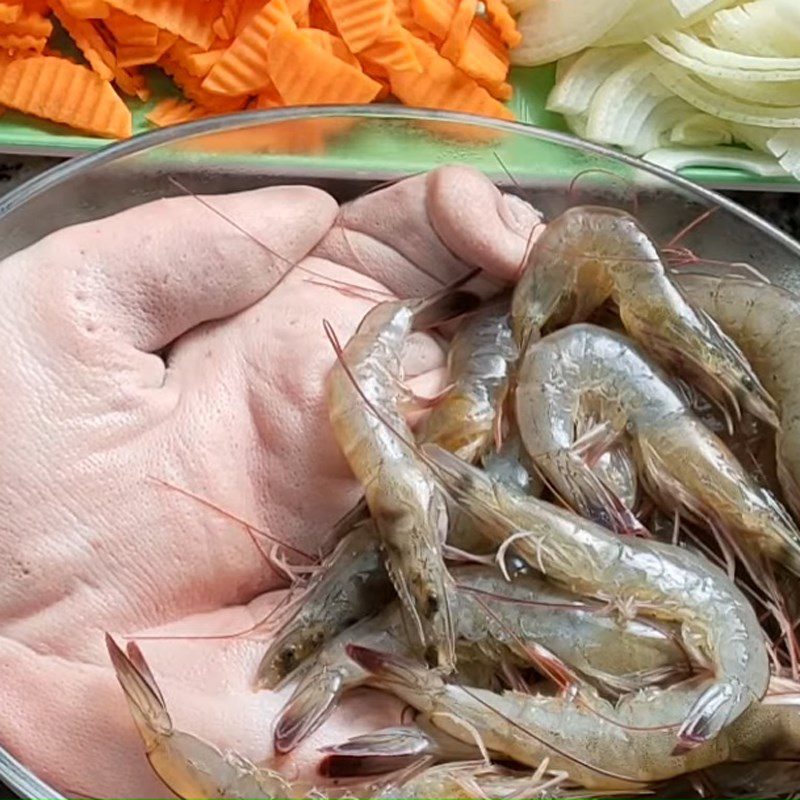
(609, 174)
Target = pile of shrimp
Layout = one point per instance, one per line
(581, 568)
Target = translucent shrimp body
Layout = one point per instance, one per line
(495, 621)
(764, 321)
(403, 497)
(590, 254)
(480, 360)
(658, 579)
(188, 765)
(682, 463)
(599, 745)
(350, 584)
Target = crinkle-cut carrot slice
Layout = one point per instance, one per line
(200, 64)
(320, 18)
(502, 91)
(29, 23)
(87, 9)
(299, 9)
(503, 22)
(131, 82)
(225, 24)
(137, 55)
(11, 41)
(88, 40)
(460, 24)
(360, 22)
(191, 19)
(174, 111)
(248, 10)
(481, 60)
(192, 87)
(442, 85)
(10, 12)
(434, 16)
(331, 44)
(305, 74)
(392, 51)
(244, 68)
(59, 90)
(40, 7)
(131, 30)
(268, 98)
(405, 16)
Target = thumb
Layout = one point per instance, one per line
(480, 224)
(153, 272)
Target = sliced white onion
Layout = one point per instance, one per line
(701, 130)
(677, 158)
(712, 101)
(769, 93)
(688, 7)
(754, 136)
(563, 65)
(552, 29)
(692, 46)
(762, 28)
(701, 67)
(624, 101)
(577, 124)
(573, 92)
(654, 129)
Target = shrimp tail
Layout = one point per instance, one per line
(390, 672)
(312, 702)
(144, 698)
(708, 716)
(377, 753)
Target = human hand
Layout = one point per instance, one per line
(163, 347)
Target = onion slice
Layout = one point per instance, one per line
(712, 101)
(552, 29)
(677, 158)
(574, 90)
(701, 130)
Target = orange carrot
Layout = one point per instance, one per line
(304, 74)
(191, 19)
(200, 64)
(405, 16)
(331, 44)
(243, 68)
(392, 51)
(299, 9)
(480, 57)
(269, 98)
(87, 9)
(29, 23)
(192, 87)
(503, 22)
(248, 10)
(361, 22)
(434, 16)
(10, 12)
(88, 40)
(59, 90)
(11, 41)
(225, 24)
(131, 30)
(137, 55)
(442, 85)
(319, 17)
(174, 111)
(453, 45)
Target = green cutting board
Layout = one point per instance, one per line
(384, 149)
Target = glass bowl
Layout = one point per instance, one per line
(347, 150)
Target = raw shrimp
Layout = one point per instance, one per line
(599, 745)
(682, 463)
(591, 253)
(188, 765)
(403, 498)
(467, 418)
(474, 780)
(658, 579)
(351, 583)
(764, 321)
(495, 622)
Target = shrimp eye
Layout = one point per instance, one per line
(748, 383)
(288, 659)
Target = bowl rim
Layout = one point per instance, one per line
(61, 173)
(18, 777)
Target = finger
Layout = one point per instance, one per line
(152, 272)
(387, 235)
(480, 224)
